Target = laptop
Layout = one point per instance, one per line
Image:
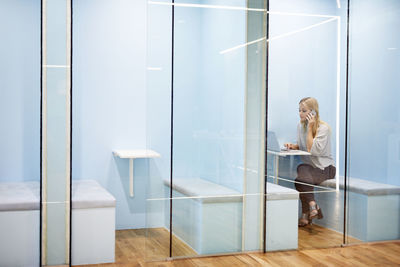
(273, 144)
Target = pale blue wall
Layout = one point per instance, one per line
(305, 64)
(222, 95)
(109, 107)
(375, 91)
(188, 64)
(208, 99)
(209, 92)
(20, 90)
(109, 97)
(308, 69)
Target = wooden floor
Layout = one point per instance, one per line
(147, 245)
(314, 236)
(138, 247)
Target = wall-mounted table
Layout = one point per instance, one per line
(284, 153)
(131, 155)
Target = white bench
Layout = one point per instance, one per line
(281, 225)
(19, 224)
(208, 216)
(373, 212)
(205, 215)
(93, 224)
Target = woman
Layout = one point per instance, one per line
(314, 136)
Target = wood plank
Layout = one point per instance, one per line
(139, 246)
(315, 236)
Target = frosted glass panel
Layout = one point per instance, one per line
(56, 24)
(56, 131)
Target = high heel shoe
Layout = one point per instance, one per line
(304, 221)
(315, 212)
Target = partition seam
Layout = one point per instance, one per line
(244, 188)
(41, 130)
(172, 128)
(346, 126)
(43, 139)
(70, 158)
(266, 130)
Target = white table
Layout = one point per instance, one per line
(285, 153)
(131, 155)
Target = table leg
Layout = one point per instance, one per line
(276, 161)
(131, 177)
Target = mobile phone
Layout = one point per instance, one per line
(313, 112)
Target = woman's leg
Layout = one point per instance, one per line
(304, 175)
(312, 176)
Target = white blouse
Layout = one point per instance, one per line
(321, 156)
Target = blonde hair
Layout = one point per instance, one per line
(312, 103)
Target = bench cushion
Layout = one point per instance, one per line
(26, 195)
(88, 194)
(278, 192)
(19, 196)
(204, 191)
(364, 187)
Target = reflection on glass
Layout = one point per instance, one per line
(20, 133)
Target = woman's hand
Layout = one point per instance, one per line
(311, 120)
(291, 146)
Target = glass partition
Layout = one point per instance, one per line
(374, 116)
(20, 133)
(306, 74)
(208, 126)
(206, 119)
(158, 128)
(228, 83)
(109, 119)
